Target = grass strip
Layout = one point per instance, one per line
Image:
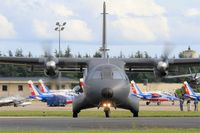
(146, 130)
(101, 113)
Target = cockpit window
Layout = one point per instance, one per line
(97, 75)
(117, 75)
(108, 74)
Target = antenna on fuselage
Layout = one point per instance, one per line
(104, 49)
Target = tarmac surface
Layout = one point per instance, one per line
(60, 123)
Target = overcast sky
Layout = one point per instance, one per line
(132, 25)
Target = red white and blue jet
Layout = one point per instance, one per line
(189, 93)
(151, 96)
(49, 96)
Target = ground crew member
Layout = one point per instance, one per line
(181, 103)
(195, 105)
(188, 105)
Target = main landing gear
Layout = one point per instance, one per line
(147, 103)
(75, 114)
(135, 114)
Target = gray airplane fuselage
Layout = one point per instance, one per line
(106, 81)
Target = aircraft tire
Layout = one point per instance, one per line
(147, 103)
(107, 113)
(135, 114)
(158, 103)
(15, 105)
(75, 115)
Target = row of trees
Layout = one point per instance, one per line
(68, 53)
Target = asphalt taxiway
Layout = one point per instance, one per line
(61, 123)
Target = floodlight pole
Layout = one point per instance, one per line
(59, 28)
(59, 54)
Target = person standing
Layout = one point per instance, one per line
(181, 104)
(196, 105)
(188, 105)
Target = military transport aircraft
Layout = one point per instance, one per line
(105, 81)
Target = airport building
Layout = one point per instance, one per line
(12, 86)
(189, 53)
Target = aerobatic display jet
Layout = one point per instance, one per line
(152, 96)
(52, 99)
(189, 92)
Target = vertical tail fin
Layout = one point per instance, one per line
(188, 89)
(34, 90)
(135, 89)
(104, 49)
(43, 88)
(30, 88)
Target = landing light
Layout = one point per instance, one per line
(106, 105)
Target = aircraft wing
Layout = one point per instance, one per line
(6, 101)
(68, 64)
(73, 62)
(65, 64)
(148, 64)
(179, 76)
(151, 62)
(20, 60)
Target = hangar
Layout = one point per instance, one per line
(11, 86)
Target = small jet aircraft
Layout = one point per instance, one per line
(52, 99)
(64, 92)
(152, 96)
(14, 100)
(189, 93)
(44, 89)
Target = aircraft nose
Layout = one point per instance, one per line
(107, 93)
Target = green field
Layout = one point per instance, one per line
(146, 130)
(101, 113)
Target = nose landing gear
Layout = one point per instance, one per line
(107, 112)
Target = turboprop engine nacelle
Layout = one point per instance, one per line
(51, 69)
(161, 69)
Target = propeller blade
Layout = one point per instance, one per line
(47, 48)
(168, 48)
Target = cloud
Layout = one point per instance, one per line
(78, 30)
(61, 10)
(192, 12)
(41, 28)
(135, 7)
(134, 29)
(6, 28)
(186, 29)
(140, 20)
(74, 30)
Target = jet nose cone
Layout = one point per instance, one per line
(107, 93)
